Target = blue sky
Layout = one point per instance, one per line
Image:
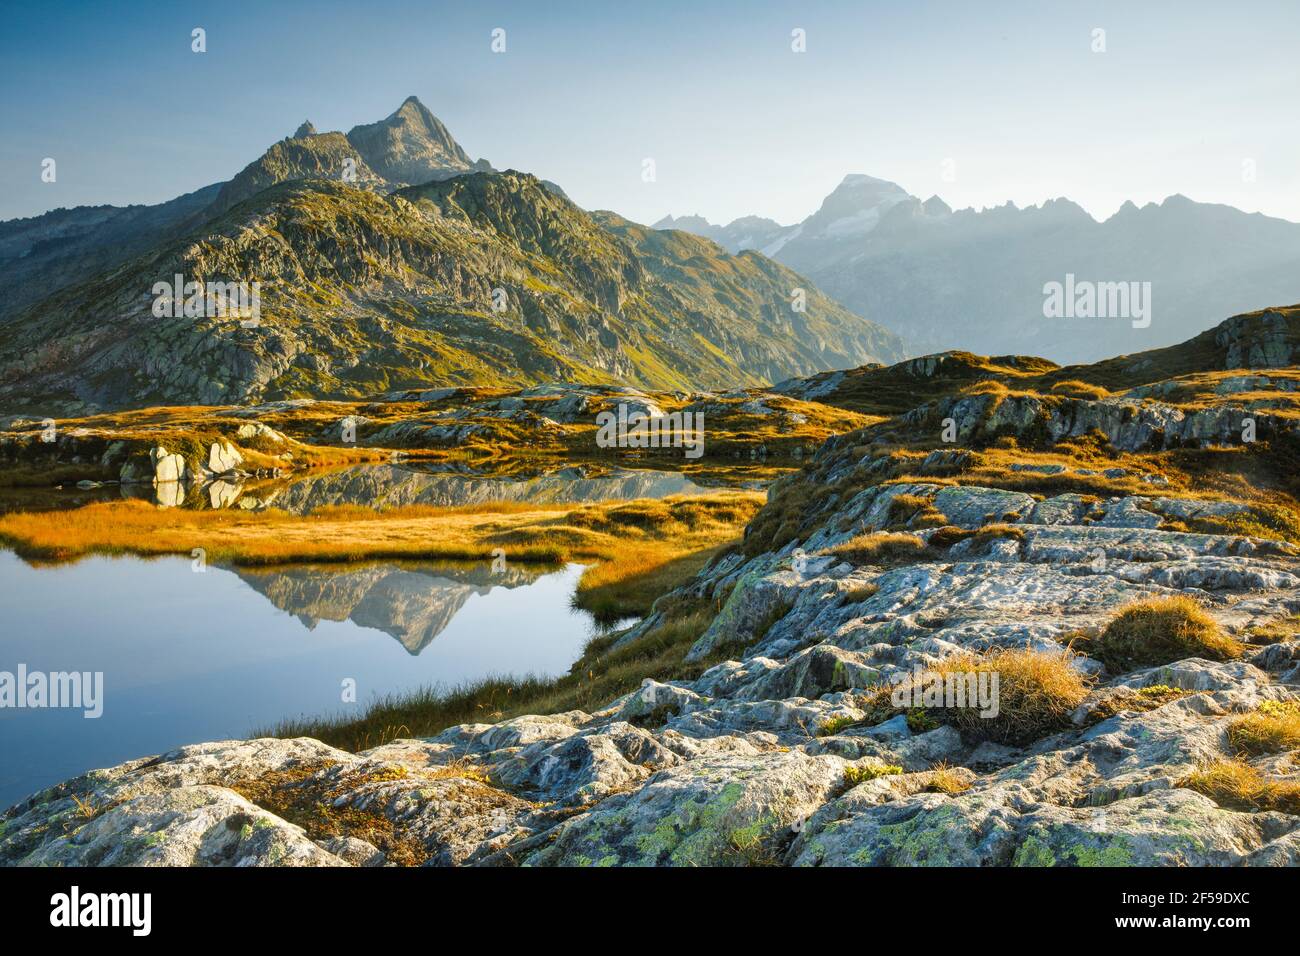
(737, 123)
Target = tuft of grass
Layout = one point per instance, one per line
(1272, 728)
(1239, 786)
(943, 538)
(881, 547)
(833, 725)
(946, 779)
(1073, 388)
(997, 532)
(1161, 631)
(929, 518)
(1275, 632)
(861, 593)
(1037, 693)
(861, 774)
(915, 511)
(920, 721)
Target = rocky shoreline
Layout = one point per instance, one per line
(736, 766)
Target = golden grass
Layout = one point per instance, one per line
(1037, 692)
(861, 593)
(1272, 728)
(616, 589)
(949, 780)
(528, 532)
(904, 507)
(1161, 631)
(915, 511)
(881, 547)
(642, 548)
(1262, 521)
(1239, 786)
(1275, 632)
(1073, 388)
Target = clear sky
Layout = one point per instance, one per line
(737, 123)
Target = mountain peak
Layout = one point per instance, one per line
(862, 179)
(1064, 207)
(306, 129)
(868, 189)
(693, 223)
(413, 110)
(410, 146)
(935, 206)
(855, 206)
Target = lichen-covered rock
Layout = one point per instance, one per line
(196, 806)
(192, 826)
(819, 670)
(177, 809)
(971, 507)
(713, 811)
(584, 767)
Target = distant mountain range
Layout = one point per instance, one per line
(387, 259)
(975, 280)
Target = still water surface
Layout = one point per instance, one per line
(189, 657)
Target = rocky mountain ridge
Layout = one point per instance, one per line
(486, 278)
(469, 276)
(974, 279)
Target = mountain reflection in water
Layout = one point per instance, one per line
(190, 657)
(412, 603)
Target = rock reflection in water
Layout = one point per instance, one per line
(375, 486)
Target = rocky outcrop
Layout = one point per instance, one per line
(159, 466)
(1128, 424)
(769, 756)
